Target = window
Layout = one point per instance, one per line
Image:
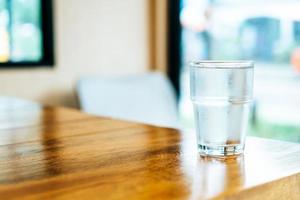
(267, 32)
(26, 33)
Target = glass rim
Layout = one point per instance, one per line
(219, 64)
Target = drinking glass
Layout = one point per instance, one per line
(221, 93)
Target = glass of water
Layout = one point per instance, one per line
(221, 93)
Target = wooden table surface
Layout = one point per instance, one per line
(59, 153)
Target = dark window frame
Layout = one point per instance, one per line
(47, 59)
(174, 43)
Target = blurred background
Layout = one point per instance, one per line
(47, 46)
(20, 31)
(267, 32)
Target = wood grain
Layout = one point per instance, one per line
(60, 153)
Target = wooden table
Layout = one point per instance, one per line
(59, 153)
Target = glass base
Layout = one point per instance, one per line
(220, 151)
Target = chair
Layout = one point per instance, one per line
(147, 98)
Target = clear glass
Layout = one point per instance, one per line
(221, 93)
